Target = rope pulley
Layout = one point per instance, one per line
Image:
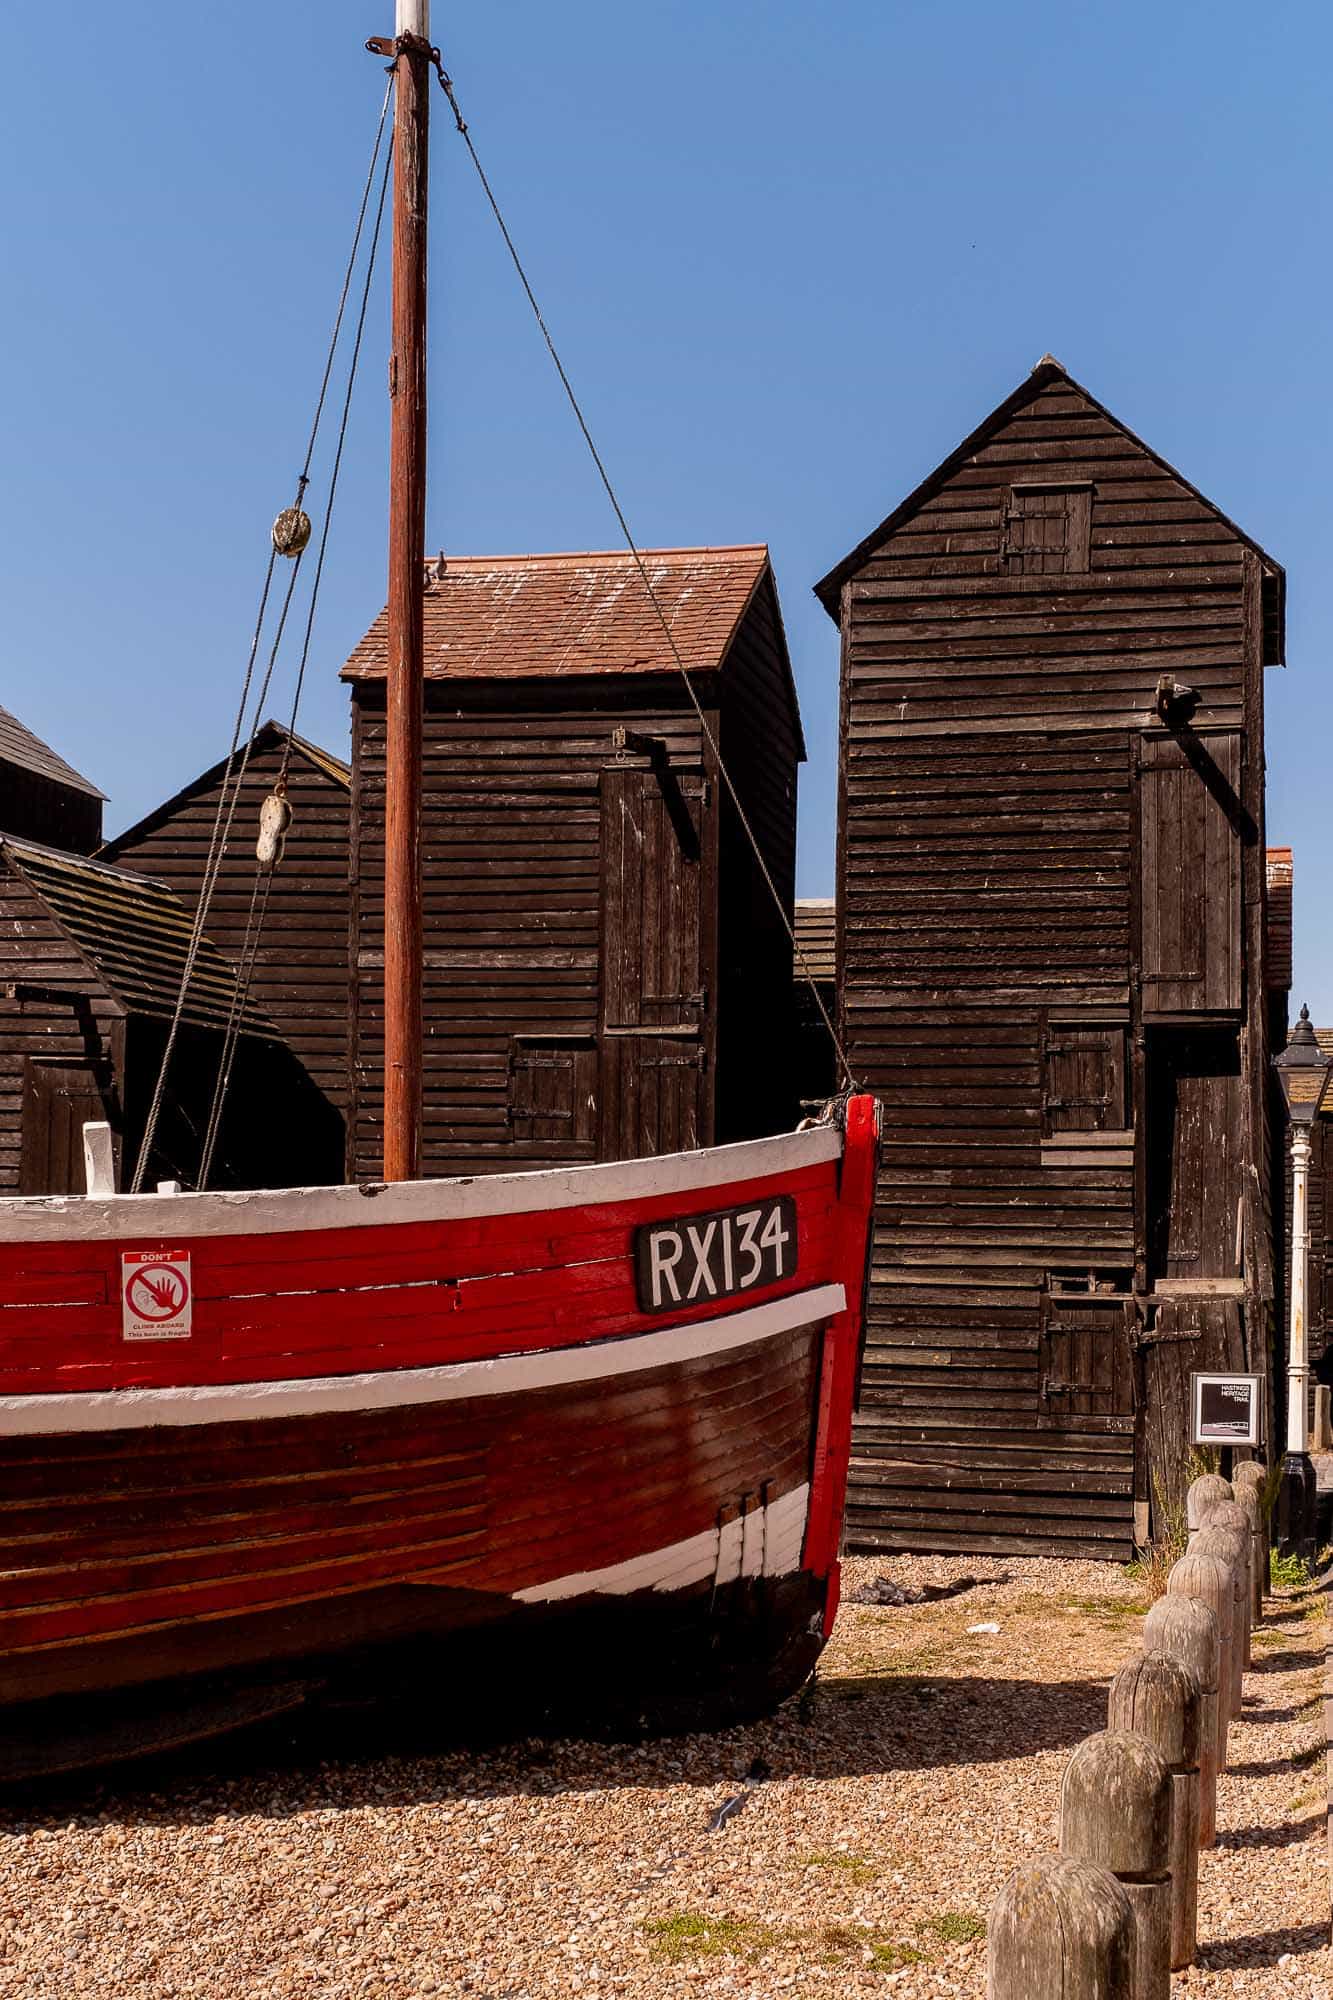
(275, 816)
(291, 531)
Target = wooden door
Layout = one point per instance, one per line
(1190, 830)
(652, 1070)
(1195, 1153)
(58, 1098)
(1087, 1362)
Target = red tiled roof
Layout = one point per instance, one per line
(507, 616)
(1277, 922)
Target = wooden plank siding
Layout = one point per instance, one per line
(998, 709)
(301, 976)
(50, 1013)
(587, 995)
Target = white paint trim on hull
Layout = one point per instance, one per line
(765, 1543)
(499, 1375)
(130, 1218)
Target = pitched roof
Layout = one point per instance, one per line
(817, 937)
(503, 617)
(134, 934)
(19, 746)
(267, 736)
(1277, 920)
(1047, 372)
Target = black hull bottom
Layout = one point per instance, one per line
(452, 1674)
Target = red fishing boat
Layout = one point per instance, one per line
(580, 1428)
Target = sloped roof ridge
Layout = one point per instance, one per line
(81, 862)
(473, 633)
(142, 966)
(332, 767)
(1047, 371)
(577, 557)
(23, 747)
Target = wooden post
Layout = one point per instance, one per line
(1115, 1811)
(1247, 1499)
(1233, 1514)
(1158, 1698)
(1186, 1631)
(404, 679)
(1234, 1551)
(1254, 1474)
(1211, 1581)
(1202, 1493)
(1059, 1927)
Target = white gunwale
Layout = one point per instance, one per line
(134, 1217)
(394, 1388)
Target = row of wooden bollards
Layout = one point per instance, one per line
(1114, 1913)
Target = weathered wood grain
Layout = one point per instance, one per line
(1115, 1812)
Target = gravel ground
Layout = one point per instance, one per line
(881, 1820)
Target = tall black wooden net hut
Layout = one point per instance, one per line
(1051, 968)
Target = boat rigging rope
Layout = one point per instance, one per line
(263, 881)
(234, 775)
(847, 1081)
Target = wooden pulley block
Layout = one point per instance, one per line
(275, 816)
(291, 531)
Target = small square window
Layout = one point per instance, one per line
(1047, 528)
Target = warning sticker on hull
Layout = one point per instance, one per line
(156, 1296)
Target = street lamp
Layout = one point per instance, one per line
(1302, 1070)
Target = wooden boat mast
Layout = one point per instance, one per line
(407, 550)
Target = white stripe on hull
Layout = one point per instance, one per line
(765, 1543)
(131, 1217)
(499, 1375)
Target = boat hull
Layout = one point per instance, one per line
(663, 1493)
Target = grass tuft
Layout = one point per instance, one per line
(886, 1954)
(690, 1934)
(956, 1927)
(856, 1867)
(1288, 1572)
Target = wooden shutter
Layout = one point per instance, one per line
(1083, 1084)
(1048, 528)
(1087, 1362)
(553, 1092)
(651, 1092)
(1190, 853)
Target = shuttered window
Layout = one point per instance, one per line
(553, 1090)
(1083, 1080)
(1047, 529)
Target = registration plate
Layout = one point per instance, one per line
(715, 1256)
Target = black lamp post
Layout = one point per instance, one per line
(1302, 1070)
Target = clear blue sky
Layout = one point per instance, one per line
(792, 253)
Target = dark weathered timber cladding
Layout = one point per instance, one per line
(301, 972)
(996, 702)
(47, 1011)
(586, 997)
(512, 893)
(38, 807)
